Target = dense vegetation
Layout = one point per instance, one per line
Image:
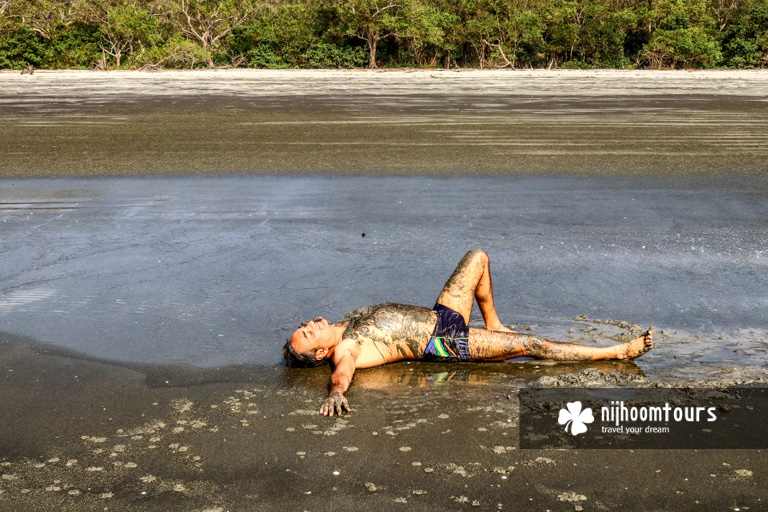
(130, 34)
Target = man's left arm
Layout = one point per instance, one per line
(341, 378)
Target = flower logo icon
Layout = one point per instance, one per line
(575, 418)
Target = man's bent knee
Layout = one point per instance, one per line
(477, 254)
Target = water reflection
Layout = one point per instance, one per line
(389, 377)
(522, 373)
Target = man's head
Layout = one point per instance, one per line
(310, 344)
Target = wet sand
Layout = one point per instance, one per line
(83, 431)
(466, 123)
(97, 435)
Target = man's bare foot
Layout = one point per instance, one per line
(636, 347)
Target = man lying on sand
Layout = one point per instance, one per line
(375, 335)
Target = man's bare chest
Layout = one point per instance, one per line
(392, 332)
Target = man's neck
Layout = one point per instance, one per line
(338, 332)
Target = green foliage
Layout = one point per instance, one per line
(575, 64)
(244, 39)
(263, 56)
(525, 36)
(428, 35)
(370, 21)
(606, 33)
(572, 34)
(745, 40)
(686, 47)
(743, 53)
(324, 55)
(74, 48)
(250, 47)
(685, 35)
(134, 25)
(177, 52)
(283, 36)
(22, 48)
(282, 39)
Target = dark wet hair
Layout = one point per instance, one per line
(296, 359)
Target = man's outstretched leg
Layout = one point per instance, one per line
(472, 281)
(485, 345)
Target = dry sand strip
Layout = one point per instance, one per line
(401, 122)
(93, 85)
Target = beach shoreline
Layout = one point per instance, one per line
(606, 72)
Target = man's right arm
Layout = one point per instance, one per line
(340, 381)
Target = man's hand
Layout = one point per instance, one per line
(335, 404)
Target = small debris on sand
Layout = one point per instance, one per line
(571, 497)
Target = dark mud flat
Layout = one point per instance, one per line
(195, 219)
(84, 434)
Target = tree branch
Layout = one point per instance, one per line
(501, 51)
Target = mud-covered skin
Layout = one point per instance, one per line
(335, 404)
(390, 332)
(459, 291)
(471, 281)
(498, 346)
(386, 333)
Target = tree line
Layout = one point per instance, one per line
(183, 34)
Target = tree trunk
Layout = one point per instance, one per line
(372, 55)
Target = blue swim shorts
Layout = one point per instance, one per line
(449, 341)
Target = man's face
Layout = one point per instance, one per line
(312, 335)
